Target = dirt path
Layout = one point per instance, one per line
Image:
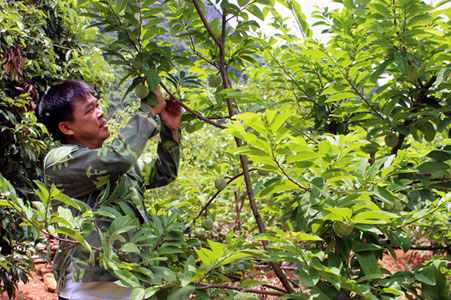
(33, 290)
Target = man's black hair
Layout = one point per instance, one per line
(57, 104)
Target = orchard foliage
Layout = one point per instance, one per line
(328, 154)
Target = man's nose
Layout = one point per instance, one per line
(100, 112)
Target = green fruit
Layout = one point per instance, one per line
(214, 80)
(151, 99)
(141, 91)
(220, 183)
(398, 206)
(207, 224)
(391, 140)
(342, 229)
(370, 148)
(413, 73)
(190, 128)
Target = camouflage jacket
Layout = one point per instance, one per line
(84, 173)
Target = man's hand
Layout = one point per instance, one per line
(171, 116)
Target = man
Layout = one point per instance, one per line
(85, 167)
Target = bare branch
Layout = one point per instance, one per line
(198, 115)
(204, 20)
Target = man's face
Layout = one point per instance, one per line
(88, 127)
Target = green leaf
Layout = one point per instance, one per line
(373, 217)
(57, 195)
(301, 237)
(384, 195)
(137, 294)
(60, 221)
(253, 9)
(233, 257)
(368, 262)
(242, 3)
(309, 276)
(167, 274)
(439, 155)
(436, 169)
(157, 224)
(74, 235)
(152, 78)
(359, 247)
(340, 96)
(300, 17)
(428, 130)
(250, 283)
(400, 59)
(426, 275)
(338, 213)
(166, 250)
(278, 121)
(43, 193)
(393, 291)
(127, 278)
(120, 5)
(182, 293)
(123, 224)
(218, 249)
(130, 248)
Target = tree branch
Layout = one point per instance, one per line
(427, 248)
(204, 20)
(198, 115)
(243, 159)
(286, 175)
(419, 99)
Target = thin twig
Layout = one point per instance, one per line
(286, 175)
(198, 115)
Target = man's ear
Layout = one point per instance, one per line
(65, 128)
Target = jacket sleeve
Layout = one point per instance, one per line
(79, 171)
(161, 170)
